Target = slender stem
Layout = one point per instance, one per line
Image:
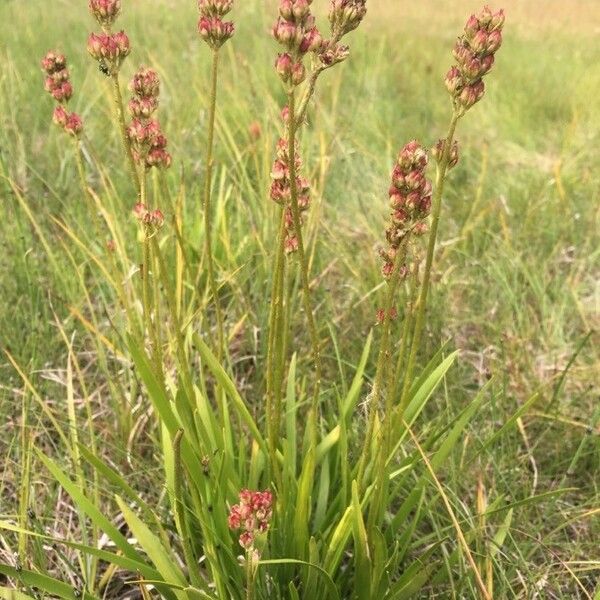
(207, 204)
(437, 205)
(274, 342)
(312, 82)
(307, 300)
(394, 383)
(179, 511)
(120, 112)
(382, 358)
(249, 577)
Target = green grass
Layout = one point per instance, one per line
(515, 286)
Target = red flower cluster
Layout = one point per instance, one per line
(109, 49)
(474, 52)
(150, 218)
(252, 515)
(58, 85)
(410, 200)
(105, 11)
(281, 191)
(211, 27)
(149, 145)
(295, 30)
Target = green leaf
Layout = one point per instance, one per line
(163, 561)
(224, 380)
(362, 556)
(92, 511)
(49, 585)
(331, 588)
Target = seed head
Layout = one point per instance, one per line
(214, 31)
(53, 62)
(410, 200)
(214, 8)
(142, 108)
(109, 48)
(105, 11)
(346, 15)
(145, 83)
(474, 53)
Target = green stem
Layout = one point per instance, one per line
(437, 205)
(394, 383)
(207, 204)
(274, 382)
(249, 577)
(382, 358)
(307, 300)
(120, 113)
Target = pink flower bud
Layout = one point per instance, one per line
(74, 125)
(60, 116)
(494, 41)
(479, 42)
(454, 81)
(485, 16)
(472, 27)
(312, 41)
(140, 211)
(286, 9)
(157, 218)
(300, 9)
(283, 66)
(142, 108)
(497, 21)
(291, 244)
(246, 540)
(471, 94)
(420, 228)
(298, 73)
(62, 92)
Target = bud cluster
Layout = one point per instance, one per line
(105, 11)
(295, 30)
(211, 27)
(152, 219)
(57, 82)
(410, 201)
(346, 15)
(109, 49)
(58, 85)
(252, 515)
(474, 53)
(149, 145)
(281, 191)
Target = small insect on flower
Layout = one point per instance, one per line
(103, 68)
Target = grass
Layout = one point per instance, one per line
(515, 285)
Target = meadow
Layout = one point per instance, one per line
(511, 425)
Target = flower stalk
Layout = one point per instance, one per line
(207, 208)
